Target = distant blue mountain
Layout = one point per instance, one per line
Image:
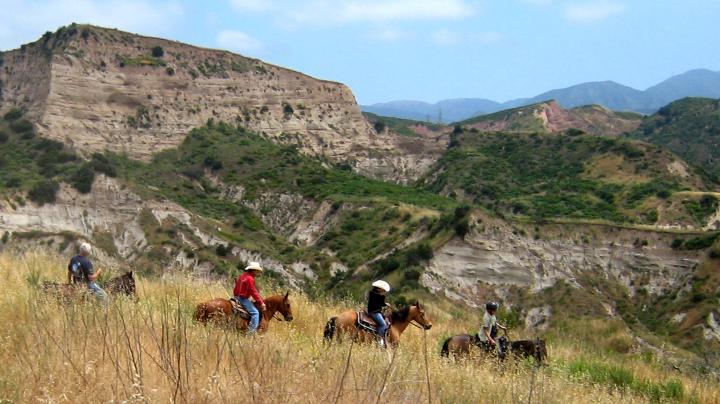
(694, 83)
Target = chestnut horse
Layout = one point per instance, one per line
(220, 310)
(346, 324)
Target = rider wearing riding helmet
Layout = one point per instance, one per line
(488, 328)
(376, 303)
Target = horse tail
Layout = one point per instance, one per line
(329, 332)
(445, 351)
(200, 312)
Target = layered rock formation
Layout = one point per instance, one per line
(100, 89)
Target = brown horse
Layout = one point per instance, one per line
(346, 324)
(465, 344)
(530, 349)
(67, 292)
(220, 310)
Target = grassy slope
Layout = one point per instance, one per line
(524, 122)
(152, 351)
(373, 216)
(562, 175)
(399, 125)
(689, 127)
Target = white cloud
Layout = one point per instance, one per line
(593, 11)
(240, 42)
(25, 21)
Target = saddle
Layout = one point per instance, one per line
(238, 310)
(365, 322)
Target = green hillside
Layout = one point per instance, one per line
(691, 129)
(399, 125)
(566, 175)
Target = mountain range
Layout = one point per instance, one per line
(609, 94)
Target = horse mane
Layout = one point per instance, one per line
(402, 314)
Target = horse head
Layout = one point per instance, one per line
(282, 305)
(418, 314)
(122, 284)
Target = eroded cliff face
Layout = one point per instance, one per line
(99, 89)
(495, 256)
(115, 220)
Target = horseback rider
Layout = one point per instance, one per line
(489, 327)
(245, 289)
(376, 303)
(81, 270)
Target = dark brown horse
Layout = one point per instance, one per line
(464, 344)
(220, 310)
(66, 292)
(530, 349)
(346, 324)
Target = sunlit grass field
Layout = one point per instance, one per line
(152, 351)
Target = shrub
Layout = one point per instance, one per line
(379, 127)
(288, 109)
(462, 227)
(457, 130)
(222, 250)
(170, 71)
(13, 114)
(158, 52)
(3, 136)
(83, 178)
(5, 237)
(389, 264)
(21, 126)
(677, 243)
(44, 192)
(101, 164)
(85, 34)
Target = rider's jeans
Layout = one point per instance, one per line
(380, 320)
(98, 292)
(248, 305)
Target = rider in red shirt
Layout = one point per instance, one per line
(245, 289)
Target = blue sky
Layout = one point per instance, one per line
(423, 49)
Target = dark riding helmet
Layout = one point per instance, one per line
(491, 306)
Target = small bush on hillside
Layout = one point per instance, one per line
(85, 34)
(379, 127)
(3, 136)
(158, 52)
(21, 126)
(288, 109)
(462, 227)
(82, 179)
(101, 164)
(13, 114)
(457, 130)
(44, 192)
(170, 71)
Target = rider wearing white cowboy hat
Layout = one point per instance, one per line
(376, 302)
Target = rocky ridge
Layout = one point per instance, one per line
(100, 89)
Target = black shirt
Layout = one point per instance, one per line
(376, 302)
(81, 268)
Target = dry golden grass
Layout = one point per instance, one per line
(152, 351)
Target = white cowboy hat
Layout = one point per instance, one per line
(382, 285)
(254, 266)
